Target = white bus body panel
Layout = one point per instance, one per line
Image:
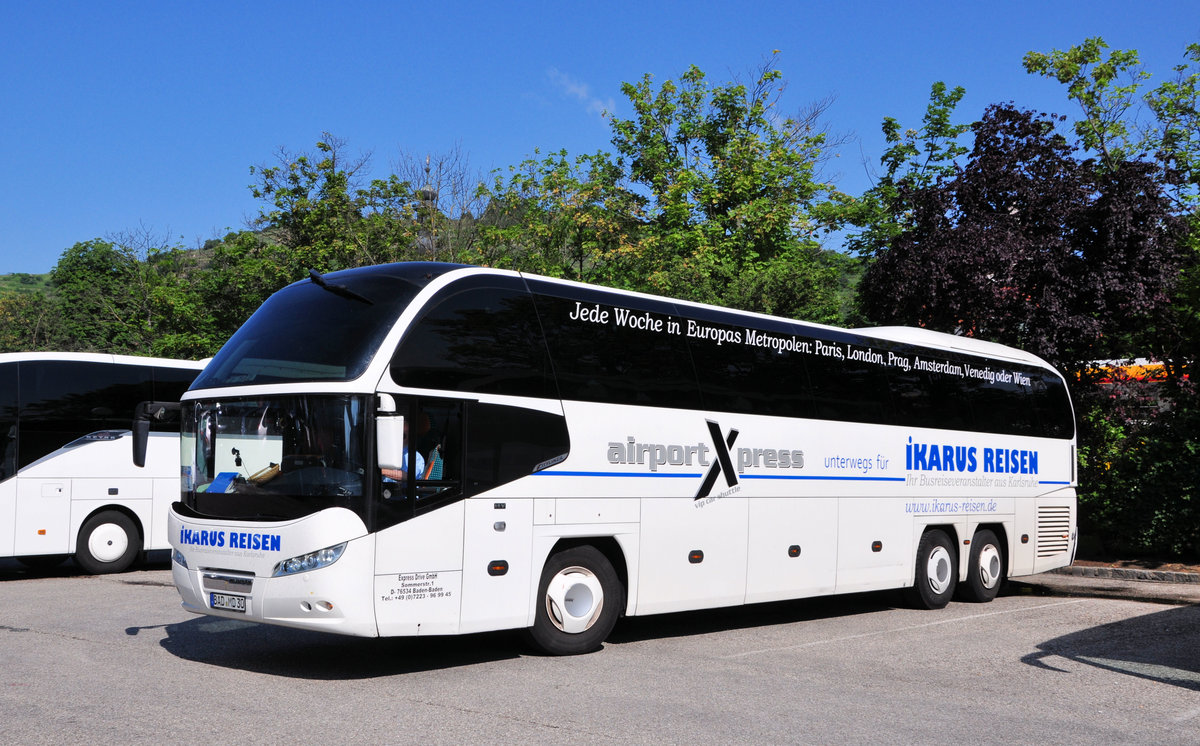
(49, 506)
(875, 545)
(856, 507)
(418, 574)
(239, 559)
(43, 522)
(500, 531)
(775, 526)
(673, 528)
(8, 516)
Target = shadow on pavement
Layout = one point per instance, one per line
(304, 654)
(301, 654)
(63, 566)
(1163, 646)
(686, 623)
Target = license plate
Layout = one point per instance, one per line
(226, 602)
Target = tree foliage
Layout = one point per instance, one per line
(562, 217)
(915, 160)
(1029, 246)
(712, 195)
(317, 213)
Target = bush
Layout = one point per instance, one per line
(1140, 475)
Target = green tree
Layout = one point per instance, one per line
(1110, 88)
(1105, 89)
(102, 290)
(915, 160)
(562, 218)
(732, 188)
(712, 195)
(28, 321)
(317, 211)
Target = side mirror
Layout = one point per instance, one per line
(389, 434)
(142, 414)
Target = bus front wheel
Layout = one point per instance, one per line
(937, 571)
(578, 602)
(985, 571)
(108, 542)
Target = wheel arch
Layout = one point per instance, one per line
(606, 545)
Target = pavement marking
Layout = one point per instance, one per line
(899, 629)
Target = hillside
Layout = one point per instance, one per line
(23, 283)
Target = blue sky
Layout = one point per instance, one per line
(123, 117)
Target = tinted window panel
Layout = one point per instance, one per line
(753, 371)
(507, 443)
(169, 385)
(616, 349)
(63, 400)
(437, 443)
(847, 384)
(483, 336)
(1053, 406)
(933, 400)
(8, 420)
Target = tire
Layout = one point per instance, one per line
(937, 572)
(579, 600)
(985, 570)
(108, 542)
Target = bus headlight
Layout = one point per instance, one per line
(179, 559)
(311, 561)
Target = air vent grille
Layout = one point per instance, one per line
(1053, 530)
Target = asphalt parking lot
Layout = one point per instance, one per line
(116, 658)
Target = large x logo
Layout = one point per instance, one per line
(723, 462)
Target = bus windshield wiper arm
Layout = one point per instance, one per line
(341, 290)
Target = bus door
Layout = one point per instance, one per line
(419, 516)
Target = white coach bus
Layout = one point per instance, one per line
(66, 484)
(430, 449)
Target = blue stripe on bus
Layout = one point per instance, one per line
(655, 475)
(822, 479)
(614, 474)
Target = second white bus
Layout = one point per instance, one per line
(67, 487)
(430, 449)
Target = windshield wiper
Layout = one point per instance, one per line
(341, 290)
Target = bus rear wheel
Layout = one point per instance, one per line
(937, 572)
(985, 570)
(108, 542)
(578, 602)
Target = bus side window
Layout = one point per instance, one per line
(478, 339)
(437, 437)
(507, 443)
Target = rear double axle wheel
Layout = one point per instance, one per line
(936, 578)
(985, 570)
(937, 572)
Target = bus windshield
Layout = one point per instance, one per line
(274, 458)
(326, 328)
